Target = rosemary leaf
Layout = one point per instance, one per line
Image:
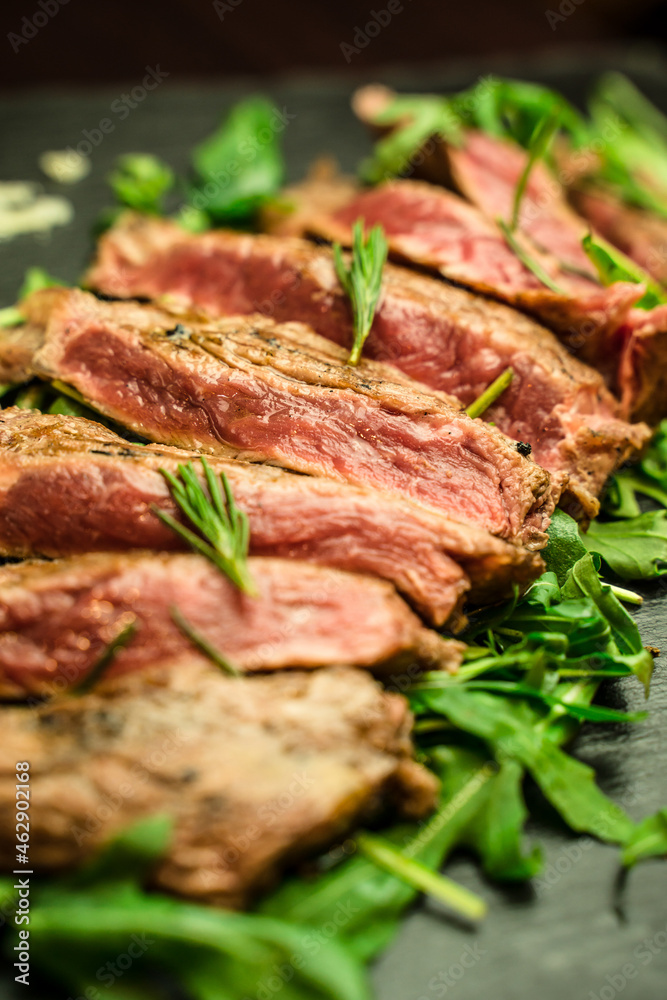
(527, 260)
(224, 534)
(362, 281)
(104, 661)
(202, 643)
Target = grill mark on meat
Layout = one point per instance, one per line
(443, 336)
(235, 394)
(68, 485)
(330, 747)
(56, 618)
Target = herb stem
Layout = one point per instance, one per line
(539, 143)
(103, 662)
(629, 596)
(534, 266)
(414, 873)
(202, 643)
(490, 394)
(362, 281)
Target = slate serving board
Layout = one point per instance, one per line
(570, 937)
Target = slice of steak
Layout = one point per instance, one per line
(486, 170)
(443, 336)
(57, 618)
(68, 485)
(251, 388)
(642, 373)
(256, 773)
(19, 343)
(436, 229)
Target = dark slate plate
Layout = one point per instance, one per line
(569, 937)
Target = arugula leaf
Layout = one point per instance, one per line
(362, 281)
(512, 732)
(141, 181)
(613, 265)
(636, 549)
(565, 546)
(634, 161)
(417, 119)
(82, 921)
(495, 832)
(648, 840)
(239, 167)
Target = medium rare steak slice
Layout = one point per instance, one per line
(443, 336)
(284, 765)
(642, 372)
(57, 618)
(434, 228)
(19, 343)
(68, 485)
(248, 387)
(486, 169)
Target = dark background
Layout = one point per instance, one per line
(105, 41)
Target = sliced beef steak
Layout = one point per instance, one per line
(68, 485)
(641, 378)
(486, 169)
(19, 343)
(308, 757)
(434, 228)
(443, 336)
(57, 618)
(251, 388)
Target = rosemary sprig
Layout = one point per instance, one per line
(527, 260)
(224, 527)
(202, 643)
(105, 660)
(362, 281)
(490, 394)
(537, 148)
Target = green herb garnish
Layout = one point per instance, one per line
(490, 394)
(456, 897)
(105, 660)
(362, 281)
(202, 643)
(537, 148)
(223, 526)
(418, 119)
(527, 260)
(239, 167)
(141, 181)
(613, 265)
